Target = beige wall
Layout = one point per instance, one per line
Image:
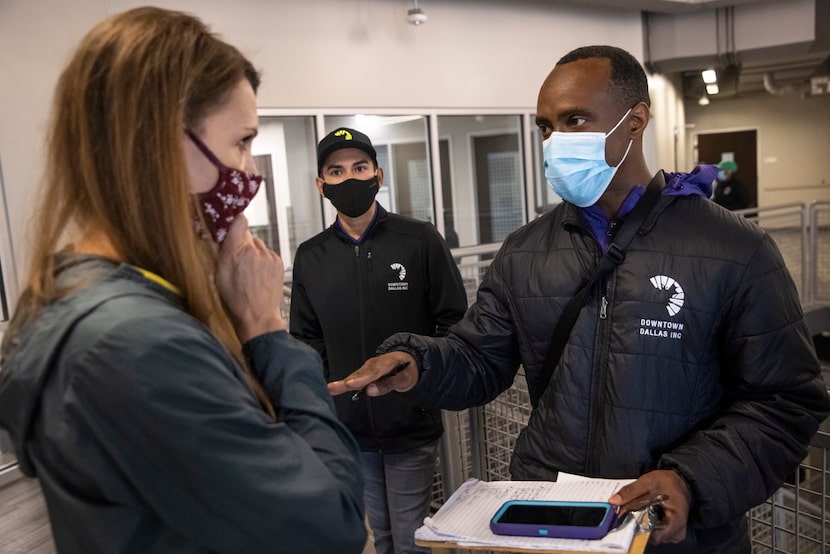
(793, 142)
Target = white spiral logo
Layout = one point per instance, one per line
(400, 269)
(661, 282)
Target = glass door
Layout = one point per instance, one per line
(7, 293)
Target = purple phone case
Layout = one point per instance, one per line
(554, 531)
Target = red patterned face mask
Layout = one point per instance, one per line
(233, 192)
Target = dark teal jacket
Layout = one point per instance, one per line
(146, 438)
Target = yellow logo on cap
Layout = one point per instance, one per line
(343, 133)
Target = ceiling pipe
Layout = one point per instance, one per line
(820, 79)
(817, 84)
(777, 89)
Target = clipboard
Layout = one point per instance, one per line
(463, 520)
(638, 546)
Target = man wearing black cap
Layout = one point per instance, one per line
(370, 275)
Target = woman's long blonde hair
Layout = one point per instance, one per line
(115, 160)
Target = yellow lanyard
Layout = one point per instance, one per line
(160, 280)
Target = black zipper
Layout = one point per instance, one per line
(599, 377)
(363, 282)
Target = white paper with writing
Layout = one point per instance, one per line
(465, 517)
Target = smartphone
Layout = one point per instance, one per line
(553, 518)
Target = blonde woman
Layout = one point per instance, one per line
(148, 380)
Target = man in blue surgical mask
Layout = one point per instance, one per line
(369, 275)
(689, 366)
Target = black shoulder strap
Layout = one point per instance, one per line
(613, 256)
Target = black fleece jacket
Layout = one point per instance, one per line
(348, 298)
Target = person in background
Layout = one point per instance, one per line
(451, 237)
(689, 368)
(148, 379)
(370, 275)
(729, 191)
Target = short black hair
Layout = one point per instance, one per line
(628, 80)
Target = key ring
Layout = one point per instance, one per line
(654, 517)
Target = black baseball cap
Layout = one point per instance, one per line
(343, 137)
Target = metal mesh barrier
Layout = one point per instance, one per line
(787, 227)
(502, 421)
(455, 463)
(795, 520)
(471, 274)
(437, 497)
(820, 248)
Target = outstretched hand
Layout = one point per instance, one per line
(374, 376)
(249, 279)
(672, 528)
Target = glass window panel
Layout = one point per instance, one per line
(419, 195)
(7, 456)
(4, 305)
(401, 145)
(5, 265)
(482, 177)
(505, 173)
(286, 211)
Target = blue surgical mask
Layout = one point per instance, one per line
(721, 175)
(575, 165)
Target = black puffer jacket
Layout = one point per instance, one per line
(693, 354)
(347, 299)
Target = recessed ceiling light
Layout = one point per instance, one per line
(712, 89)
(709, 76)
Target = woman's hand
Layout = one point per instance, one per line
(249, 278)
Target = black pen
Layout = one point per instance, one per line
(395, 370)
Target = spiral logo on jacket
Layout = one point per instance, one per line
(661, 282)
(401, 283)
(400, 269)
(667, 329)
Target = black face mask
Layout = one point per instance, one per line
(352, 197)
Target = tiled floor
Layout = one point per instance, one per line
(6, 458)
(24, 524)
